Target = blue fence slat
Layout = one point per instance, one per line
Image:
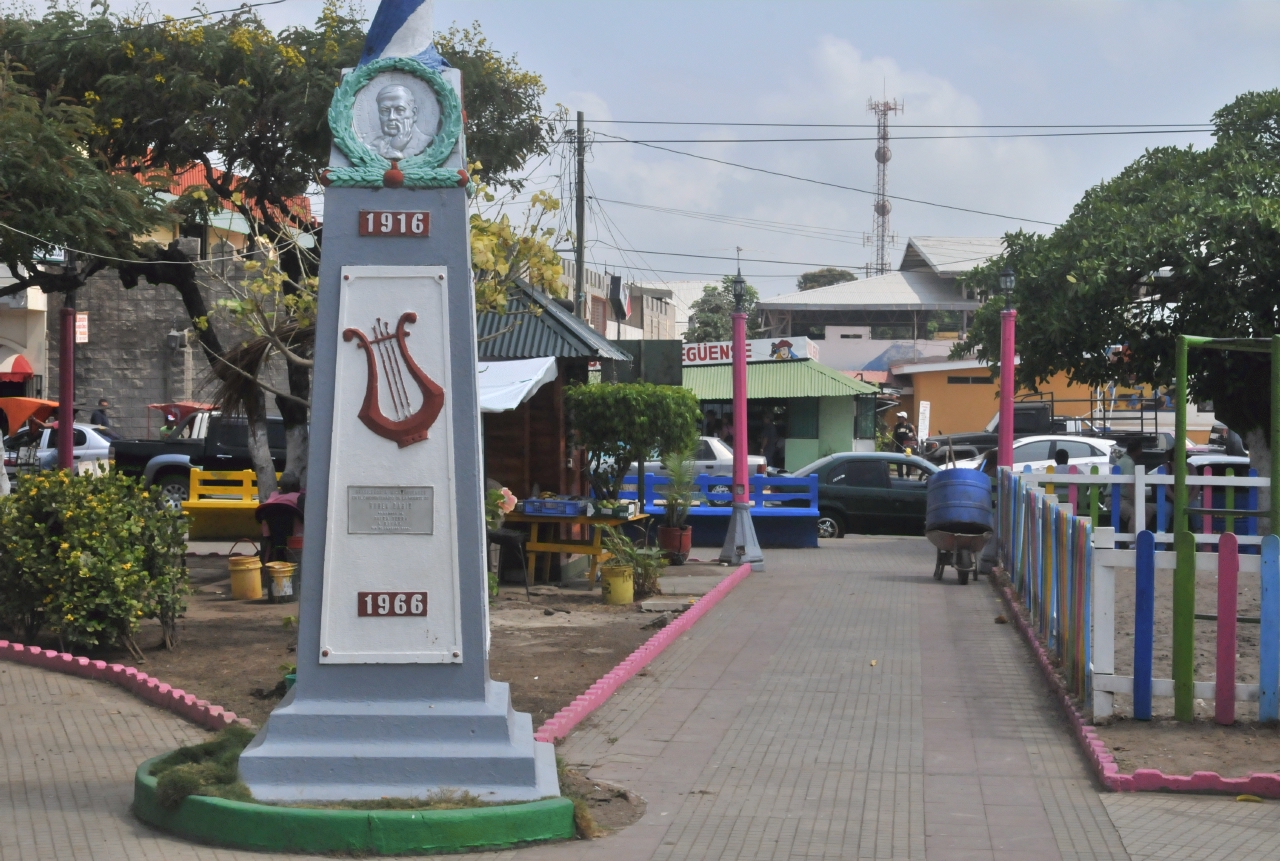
(1269, 647)
(1144, 614)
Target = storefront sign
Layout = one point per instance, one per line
(758, 350)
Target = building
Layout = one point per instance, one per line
(818, 411)
(925, 284)
(23, 344)
(964, 396)
(653, 311)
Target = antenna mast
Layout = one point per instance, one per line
(882, 207)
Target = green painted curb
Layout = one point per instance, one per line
(265, 827)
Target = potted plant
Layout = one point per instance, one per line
(675, 537)
(631, 572)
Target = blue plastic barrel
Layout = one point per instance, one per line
(959, 502)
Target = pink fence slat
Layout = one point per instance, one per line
(1224, 690)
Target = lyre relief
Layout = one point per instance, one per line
(406, 428)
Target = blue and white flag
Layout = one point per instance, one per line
(402, 28)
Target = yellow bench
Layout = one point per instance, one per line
(221, 505)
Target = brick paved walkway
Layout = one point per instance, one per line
(763, 733)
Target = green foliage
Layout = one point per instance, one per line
(709, 318)
(824, 277)
(678, 492)
(505, 125)
(1183, 241)
(211, 768)
(52, 188)
(621, 423)
(88, 558)
(646, 563)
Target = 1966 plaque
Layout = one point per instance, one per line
(390, 510)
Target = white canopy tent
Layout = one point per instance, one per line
(506, 385)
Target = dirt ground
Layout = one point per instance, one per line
(1177, 748)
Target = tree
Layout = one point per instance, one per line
(55, 194)
(249, 107)
(1183, 241)
(620, 424)
(505, 123)
(824, 277)
(710, 319)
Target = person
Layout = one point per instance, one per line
(397, 118)
(1128, 462)
(4, 473)
(904, 434)
(99, 416)
(1061, 461)
(170, 425)
(769, 439)
(1195, 522)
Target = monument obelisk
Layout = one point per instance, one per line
(393, 695)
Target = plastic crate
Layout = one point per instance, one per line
(556, 507)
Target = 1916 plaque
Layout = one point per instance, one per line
(390, 510)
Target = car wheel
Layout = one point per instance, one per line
(174, 488)
(720, 488)
(830, 525)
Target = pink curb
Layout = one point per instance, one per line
(1103, 761)
(562, 722)
(131, 679)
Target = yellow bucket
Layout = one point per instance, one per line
(616, 584)
(246, 577)
(282, 581)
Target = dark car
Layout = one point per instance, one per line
(870, 492)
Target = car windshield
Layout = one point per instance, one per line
(22, 439)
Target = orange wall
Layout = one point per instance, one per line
(961, 408)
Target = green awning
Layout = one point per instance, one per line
(803, 379)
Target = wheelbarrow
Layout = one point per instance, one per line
(958, 520)
(959, 550)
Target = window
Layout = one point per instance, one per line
(911, 472)
(859, 337)
(78, 438)
(704, 451)
(970, 381)
(859, 473)
(1076, 449)
(1029, 451)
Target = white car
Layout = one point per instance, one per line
(713, 456)
(1038, 452)
(33, 451)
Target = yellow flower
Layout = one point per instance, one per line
(65, 546)
(128, 49)
(126, 566)
(68, 618)
(146, 495)
(116, 122)
(159, 79)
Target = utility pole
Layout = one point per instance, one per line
(67, 371)
(579, 237)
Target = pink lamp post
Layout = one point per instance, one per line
(1008, 323)
(740, 543)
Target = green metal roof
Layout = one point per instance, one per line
(804, 379)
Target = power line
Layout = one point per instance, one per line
(922, 137)
(908, 125)
(141, 26)
(716, 257)
(806, 231)
(830, 184)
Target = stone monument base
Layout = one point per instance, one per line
(740, 542)
(336, 750)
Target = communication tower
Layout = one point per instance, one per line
(881, 236)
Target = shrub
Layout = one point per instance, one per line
(620, 423)
(211, 768)
(88, 558)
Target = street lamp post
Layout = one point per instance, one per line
(1008, 322)
(740, 543)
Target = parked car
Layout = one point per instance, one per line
(713, 456)
(207, 440)
(1039, 451)
(1029, 418)
(870, 492)
(34, 450)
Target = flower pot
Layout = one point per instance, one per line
(616, 584)
(676, 542)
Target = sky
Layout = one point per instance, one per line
(950, 64)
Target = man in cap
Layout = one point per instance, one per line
(904, 437)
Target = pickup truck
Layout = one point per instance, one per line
(207, 440)
(1029, 418)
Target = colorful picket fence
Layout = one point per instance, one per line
(1048, 553)
(1063, 568)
